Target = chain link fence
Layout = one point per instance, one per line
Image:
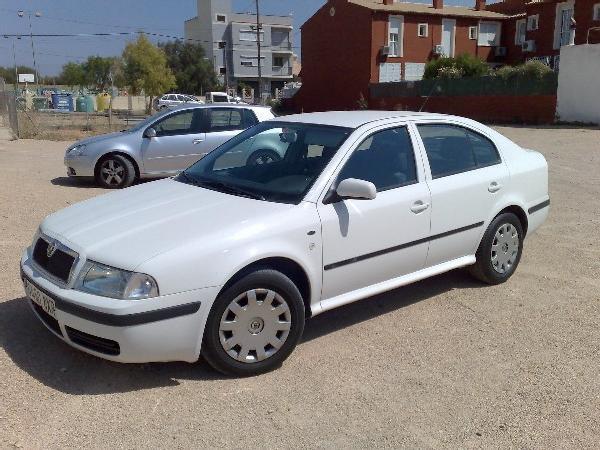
(8, 110)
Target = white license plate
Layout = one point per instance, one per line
(45, 302)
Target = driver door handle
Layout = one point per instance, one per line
(494, 187)
(419, 207)
(197, 141)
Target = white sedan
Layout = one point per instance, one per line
(228, 259)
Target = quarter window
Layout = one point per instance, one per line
(452, 149)
(386, 159)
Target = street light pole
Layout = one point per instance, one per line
(258, 27)
(21, 13)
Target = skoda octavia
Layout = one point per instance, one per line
(228, 258)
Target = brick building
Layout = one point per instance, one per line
(349, 44)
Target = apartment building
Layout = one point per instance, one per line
(349, 44)
(229, 40)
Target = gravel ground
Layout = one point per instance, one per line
(445, 362)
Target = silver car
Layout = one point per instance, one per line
(166, 143)
(173, 100)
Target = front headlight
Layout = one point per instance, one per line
(106, 281)
(78, 150)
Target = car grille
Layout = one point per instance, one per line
(94, 343)
(50, 321)
(58, 264)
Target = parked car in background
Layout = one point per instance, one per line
(221, 97)
(164, 144)
(175, 100)
(228, 258)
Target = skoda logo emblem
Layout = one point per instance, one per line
(51, 249)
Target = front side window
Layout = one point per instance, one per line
(386, 159)
(452, 149)
(186, 122)
(224, 119)
(273, 161)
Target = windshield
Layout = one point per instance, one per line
(271, 161)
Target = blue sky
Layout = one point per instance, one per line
(93, 16)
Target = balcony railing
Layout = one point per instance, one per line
(284, 71)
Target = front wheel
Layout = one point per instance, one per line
(500, 250)
(115, 172)
(254, 325)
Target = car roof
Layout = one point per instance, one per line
(220, 105)
(355, 119)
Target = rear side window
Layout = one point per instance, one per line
(224, 119)
(386, 159)
(452, 149)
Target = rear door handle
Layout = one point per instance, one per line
(197, 141)
(494, 187)
(419, 207)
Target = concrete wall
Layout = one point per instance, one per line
(579, 84)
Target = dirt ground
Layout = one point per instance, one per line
(446, 362)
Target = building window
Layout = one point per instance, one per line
(562, 24)
(596, 12)
(222, 71)
(423, 30)
(489, 34)
(246, 63)
(396, 28)
(222, 45)
(520, 31)
(278, 61)
(473, 33)
(221, 18)
(250, 35)
(533, 22)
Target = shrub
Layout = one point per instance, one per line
(533, 70)
(464, 65)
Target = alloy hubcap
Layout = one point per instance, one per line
(505, 248)
(112, 172)
(255, 325)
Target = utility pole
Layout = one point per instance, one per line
(258, 27)
(22, 13)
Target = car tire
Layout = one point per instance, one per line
(260, 157)
(500, 250)
(244, 334)
(115, 172)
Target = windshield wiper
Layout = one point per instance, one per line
(229, 189)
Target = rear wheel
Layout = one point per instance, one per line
(254, 325)
(115, 172)
(500, 250)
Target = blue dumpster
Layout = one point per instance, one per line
(62, 102)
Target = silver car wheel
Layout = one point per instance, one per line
(112, 172)
(255, 325)
(505, 248)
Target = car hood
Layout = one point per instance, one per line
(126, 228)
(99, 138)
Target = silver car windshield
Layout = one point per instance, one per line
(272, 161)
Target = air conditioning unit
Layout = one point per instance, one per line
(438, 49)
(500, 51)
(528, 46)
(385, 50)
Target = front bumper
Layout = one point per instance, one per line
(166, 328)
(80, 166)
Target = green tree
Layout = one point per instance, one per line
(8, 73)
(193, 73)
(73, 75)
(98, 71)
(145, 69)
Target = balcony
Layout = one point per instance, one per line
(283, 71)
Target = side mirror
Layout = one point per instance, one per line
(352, 188)
(150, 133)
